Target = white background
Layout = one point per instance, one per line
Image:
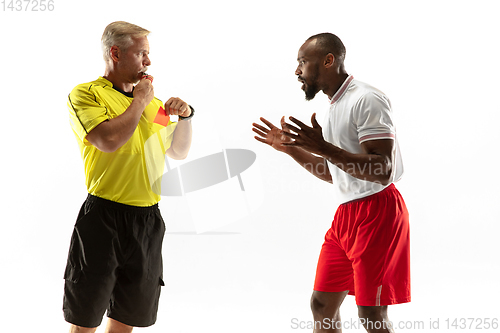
(234, 62)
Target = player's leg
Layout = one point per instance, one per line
(114, 326)
(375, 319)
(334, 279)
(78, 329)
(325, 307)
(381, 258)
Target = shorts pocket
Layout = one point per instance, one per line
(72, 274)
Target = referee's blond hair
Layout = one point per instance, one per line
(120, 33)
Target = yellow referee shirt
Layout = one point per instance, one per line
(129, 175)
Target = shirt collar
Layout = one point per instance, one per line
(107, 82)
(342, 89)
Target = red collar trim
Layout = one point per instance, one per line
(342, 89)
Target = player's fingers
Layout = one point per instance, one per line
(262, 128)
(289, 127)
(262, 134)
(267, 122)
(288, 134)
(314, 122)
(282, 121)
(298, 122)
(260, 139)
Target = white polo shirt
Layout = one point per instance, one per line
(358, 113)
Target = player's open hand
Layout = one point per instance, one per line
(304, 137)
(176, 106)
(271, 135)
(144, 91)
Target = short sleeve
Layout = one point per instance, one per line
(85, 110)
(373, 117)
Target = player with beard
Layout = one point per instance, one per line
(366, 250)
(123, 132)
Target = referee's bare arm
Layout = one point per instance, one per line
(183, 132)
(111, 134)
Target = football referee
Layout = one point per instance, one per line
(123, 131)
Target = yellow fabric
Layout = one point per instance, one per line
(131, 174)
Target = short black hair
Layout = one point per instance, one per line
(330, 43)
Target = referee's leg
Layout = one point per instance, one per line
(78, 329)
(113, 326)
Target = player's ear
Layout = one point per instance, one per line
(329, 60)
(114, 53)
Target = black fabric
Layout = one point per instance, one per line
(114, 264)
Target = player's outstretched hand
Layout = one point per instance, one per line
(302, 136)
(144, 91)
(176, 106)
(271, 135)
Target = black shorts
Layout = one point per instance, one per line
(114, 263)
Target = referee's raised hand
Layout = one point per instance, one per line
(144, 90)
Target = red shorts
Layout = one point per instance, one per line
(367, 250)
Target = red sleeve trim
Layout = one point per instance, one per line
(377, 136)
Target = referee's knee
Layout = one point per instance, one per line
(78, 329)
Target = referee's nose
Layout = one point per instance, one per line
(147, 61)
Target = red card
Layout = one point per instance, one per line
(162, 117)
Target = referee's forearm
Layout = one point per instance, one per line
(110, 135)
(181, 142)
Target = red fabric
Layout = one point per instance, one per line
(367, 250)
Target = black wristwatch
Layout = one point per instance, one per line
(190, 116)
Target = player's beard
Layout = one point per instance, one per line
(311, 89)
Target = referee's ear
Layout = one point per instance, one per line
(114, 53)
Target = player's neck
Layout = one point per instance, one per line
(335, 83)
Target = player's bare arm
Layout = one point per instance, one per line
(273, 136)
(374, 164)
(181, 142)
(111, 134)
